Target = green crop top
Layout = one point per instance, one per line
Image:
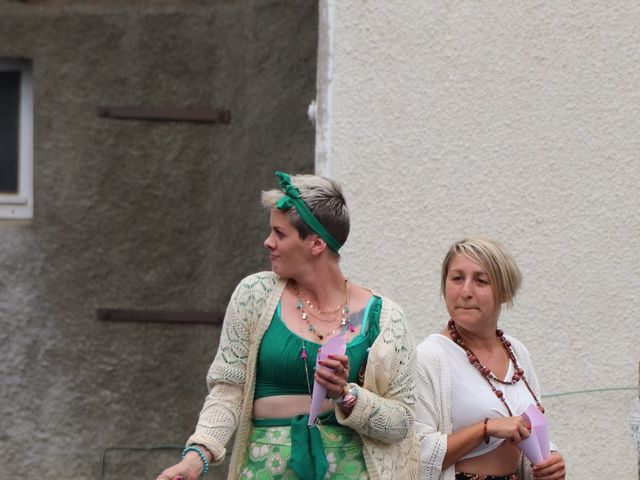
(281, 370)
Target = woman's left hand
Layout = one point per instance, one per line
(552, 468)
(334, 376)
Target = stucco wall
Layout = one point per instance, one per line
(519, 121)
(138, 214)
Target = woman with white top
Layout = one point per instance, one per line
(474, 382)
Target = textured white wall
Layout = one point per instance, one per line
(518, 120)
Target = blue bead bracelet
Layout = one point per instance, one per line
(202, 456)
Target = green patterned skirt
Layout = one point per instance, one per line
(269, 453)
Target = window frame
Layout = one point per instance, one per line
(19, 206)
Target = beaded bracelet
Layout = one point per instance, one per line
(202, 456)
(484, 430)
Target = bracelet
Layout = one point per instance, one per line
(350, 396)
(202, 456)
(484, 430)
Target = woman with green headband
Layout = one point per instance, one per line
(262, 378)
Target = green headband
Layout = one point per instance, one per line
(292, 198)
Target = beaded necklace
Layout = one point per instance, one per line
(303, 357)
(486, 372)
(345, 320)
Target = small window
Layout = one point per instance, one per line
(16, 139)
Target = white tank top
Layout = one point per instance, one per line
(472, 400)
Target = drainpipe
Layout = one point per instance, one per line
(320, 109)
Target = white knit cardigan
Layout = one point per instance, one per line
(432, 408)
(382, 414)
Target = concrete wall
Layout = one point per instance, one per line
(516, 120)
(138, 214)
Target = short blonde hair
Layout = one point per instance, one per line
(503, 272)
(323, 197)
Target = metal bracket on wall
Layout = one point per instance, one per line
(199, 115)
(158, 316)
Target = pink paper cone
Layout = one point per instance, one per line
(531, 448)
(539, 425)
(539, 436)
(334, 346)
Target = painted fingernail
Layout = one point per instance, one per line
(528, 426)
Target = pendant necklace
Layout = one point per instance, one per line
(342, 313)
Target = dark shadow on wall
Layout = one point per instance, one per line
(138, 214)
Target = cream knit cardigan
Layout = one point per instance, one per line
(382, 414)
(433, 407)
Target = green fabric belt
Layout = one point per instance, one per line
(308, 459)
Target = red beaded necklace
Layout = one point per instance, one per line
(485, 371)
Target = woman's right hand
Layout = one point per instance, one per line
(189, 468)
(515, 429)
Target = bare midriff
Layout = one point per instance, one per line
(501, 461)
(286, 406)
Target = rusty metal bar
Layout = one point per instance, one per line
(199, 115)
(158, 316)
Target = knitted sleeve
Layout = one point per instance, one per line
(383, 409)
(431, 426)
(226, 378)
